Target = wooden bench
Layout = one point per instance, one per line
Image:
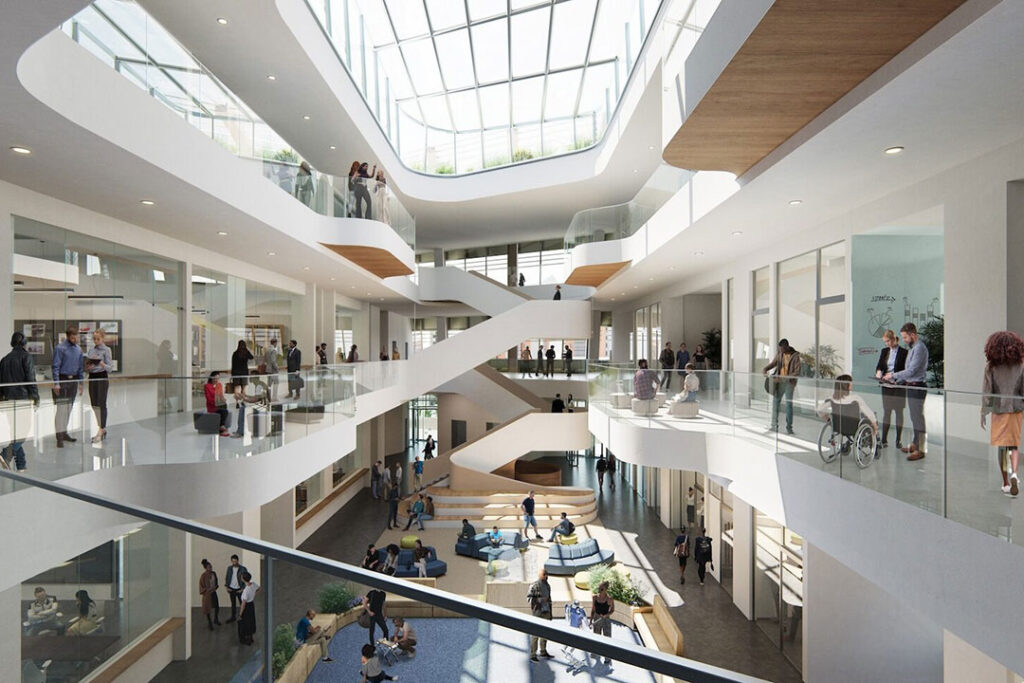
(658, 630)
(306, 657)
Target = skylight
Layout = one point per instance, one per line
(463, 85)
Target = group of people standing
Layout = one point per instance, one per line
(545, 366)
(369, 192)
(241, 591)
(680, 363)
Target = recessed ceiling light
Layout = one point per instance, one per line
(636, 286)
(671, 267)
(650, 146)
(333, 279)
(147, 202)
(737, 233)
(892, 151)
(698, 254)
(21, 150)
(333, 147)
(382, 298)
(305, 117)
(623, 294)
(651, 279)
(271, 77)
(305, 267)
(636, 170)
(368, 294)
(271, 253)
(352, 287)
(222, 21)
(221, 233)
(796, 202)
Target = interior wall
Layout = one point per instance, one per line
(962, 663)
(1014, 255)
(394, 429)
(457, 407)
(893, 642)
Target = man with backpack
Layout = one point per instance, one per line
(682, 552)
(564, 528)
(702, 554)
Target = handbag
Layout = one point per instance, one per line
(364, 619)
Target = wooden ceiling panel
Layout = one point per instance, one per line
(380, 262)
(801, 58)
(595, 275)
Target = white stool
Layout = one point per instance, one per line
(620, 400)
(644, 407)
(685, 409)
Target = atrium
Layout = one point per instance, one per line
(528, 340)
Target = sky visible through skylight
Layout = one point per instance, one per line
(463, 85)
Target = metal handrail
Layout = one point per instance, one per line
(653, 660)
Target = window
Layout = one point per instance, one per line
(812, 308)
(730, 299)
(542, 262)
(760, 343)
(655, 349)
(424, 333)
(640, 329)
(605, 336)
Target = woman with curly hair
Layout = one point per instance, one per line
(1003, 389)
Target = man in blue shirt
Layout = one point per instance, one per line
(307, 634)
(494, 537)
(914, 374)
(67, 382)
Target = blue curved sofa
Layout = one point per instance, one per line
(478, 546)
(407, 569)
(566, 560)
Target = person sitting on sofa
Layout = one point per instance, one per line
(372, 560)
(391, 561)
(691, 384)
(468, 531)
(494, 537)
(414, 513)
(405, 636)
(419, 558)
(564, 528)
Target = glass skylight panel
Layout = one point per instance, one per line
(561, 97)
(409, 18)
(490, 43)
(494, 104)
(522, 4)
(530, 42)
(375, 20)
(435, 110)
(526, 100)
(398, 79)
(446, 13)
(609, 31)
(456, 59)
(570, 33)
(465, 110)
(422, 65)
(482, 9)
(598, 82)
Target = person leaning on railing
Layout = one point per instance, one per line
(17, 385)
(1003, 389)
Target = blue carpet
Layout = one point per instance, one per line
(471, 651)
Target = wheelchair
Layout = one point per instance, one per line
(847, 431)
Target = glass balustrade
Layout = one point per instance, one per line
(960, 476)
(91, 607)
(125, 37)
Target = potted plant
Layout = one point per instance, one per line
(933, 335)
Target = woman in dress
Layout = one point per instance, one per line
(97, 364)
(247, 618)
(380, 195)
(1003, 389)
(208, 590)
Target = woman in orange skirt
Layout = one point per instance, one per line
(1003, 389)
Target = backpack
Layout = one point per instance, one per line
(570, 527)
(704, 546)
(683, 549)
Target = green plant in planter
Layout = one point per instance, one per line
(284, 648)
(621, 588)
(335, 598)
(827, 364)
(445, 169)
(520, 154)
(712, 342)
(933, 334)
(286, 155)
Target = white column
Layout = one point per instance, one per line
(7, 298)
(179, 590)
(743, 556)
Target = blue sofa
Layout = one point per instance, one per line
(478, 546)
(407, 569)
(566, 560)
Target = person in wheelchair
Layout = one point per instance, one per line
(849, 422)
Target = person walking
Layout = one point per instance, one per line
(915, 377)
(294, 365)
(529, 518)
(208, 590)
(558, 405)
(247, 615)
(67, 383)
(567, 360)
(602, 467)
(702, 555)
(522, 280)
(375, 479)
(682, 358)
(1002, 391)
(690, 506)
(558, 293)
(97, 366)
(393, 497)
(373, 603)
(17, 387)
(540, 607)
(611, 472)
(786, 365)
(893, 358)
(428, 447)
(602, 607)
(549, 366)
(234, 583)
(668, 363)
(682, 551)
(417, 473)
(271, 368)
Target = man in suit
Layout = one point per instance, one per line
(233, 582)
(893, 358)
(294, 365)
